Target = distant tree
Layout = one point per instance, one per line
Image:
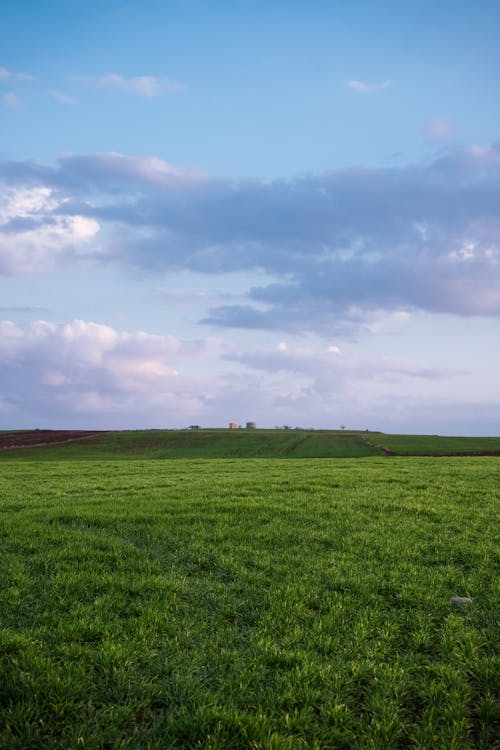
(342, 426)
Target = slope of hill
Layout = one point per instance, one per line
(168, 444)
(163, 444)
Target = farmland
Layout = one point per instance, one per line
(223, 443)
(258, 603)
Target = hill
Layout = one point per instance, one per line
(163, 444)
(223, 443)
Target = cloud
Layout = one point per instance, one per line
(62, 97)
(368, 88)
(310, 385)
(438, 129)
(11, 100)
(145, 86)
(114, 169)
(8, 75)
(335, 252)
(20, 309)
(36, 234)
(90, 372)
(320, 367)
(87, 374)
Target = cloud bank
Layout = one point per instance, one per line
(332, 249)
(87, 374)
(84, 372)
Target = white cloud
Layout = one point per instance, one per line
(145, 86)
(62, 97)
(377, 321)
(89, 370)
(85, 374)
(8, 75)
(309, 386)
(368, 88)
(11, 100)
(438, 129)
(37, 233)
(322, 369)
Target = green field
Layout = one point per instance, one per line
(159, 444)
(415, 445)
(166, 444)
(258, 603)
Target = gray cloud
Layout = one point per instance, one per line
(331, 245)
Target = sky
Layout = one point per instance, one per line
(284, 212)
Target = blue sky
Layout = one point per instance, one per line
(284, 212)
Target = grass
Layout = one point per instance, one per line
(169, 444)
(248, 604)
(162, 444)
(438, 444)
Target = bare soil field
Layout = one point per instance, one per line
(32, 438)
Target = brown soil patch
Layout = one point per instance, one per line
(34, 438)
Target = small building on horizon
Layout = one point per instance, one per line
(251, 426)
(233, 426)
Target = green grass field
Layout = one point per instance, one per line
(160, 444)
(258, 603)
(166, 444)
(438, 444)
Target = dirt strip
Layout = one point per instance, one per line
(36, 438)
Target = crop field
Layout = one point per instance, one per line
(259, 603)
(439, 445)
(224, 443)
(163, 444)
